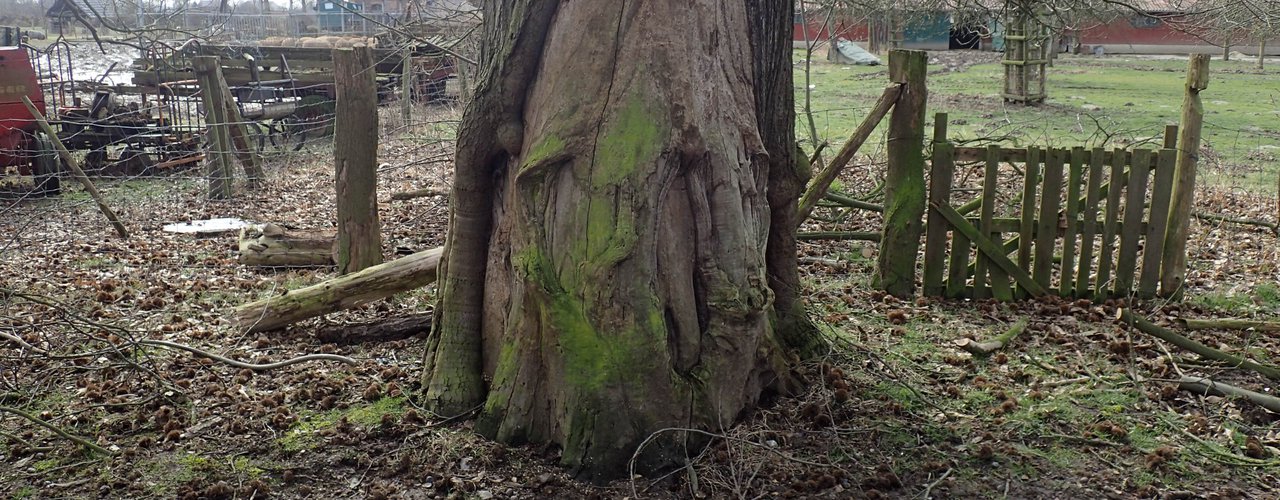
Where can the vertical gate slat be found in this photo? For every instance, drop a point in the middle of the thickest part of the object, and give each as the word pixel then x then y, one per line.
pixel 1027 228
pixel 1047 226
pixel 1090 227
pixel 935 245
pixel 1157 223
pixel 1073 211
pixel 1103 286
pixel 958 267
pixel 999 279
pixel 1135 204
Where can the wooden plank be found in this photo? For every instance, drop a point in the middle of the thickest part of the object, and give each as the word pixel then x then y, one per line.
pixel 1046 226
pixel 1111 217
pixel 1087 233
pixel 1158 223
pixel 992 250
pixel 1135 204
pixel 1074 181
pixel 1025 240
pixel 935 244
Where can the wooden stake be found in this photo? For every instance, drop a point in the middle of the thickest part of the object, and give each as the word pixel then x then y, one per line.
pixel 355 152
pixel 75 169
pixel 1174 269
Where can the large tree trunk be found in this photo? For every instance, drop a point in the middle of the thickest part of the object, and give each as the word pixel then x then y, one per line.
pixel 613 266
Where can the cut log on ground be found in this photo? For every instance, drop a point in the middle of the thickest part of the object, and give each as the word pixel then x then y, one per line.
pixel 344 292
pixel 1200 385
pixel 986 348
pixel 418 193
pixel 378 331
pixel 269 245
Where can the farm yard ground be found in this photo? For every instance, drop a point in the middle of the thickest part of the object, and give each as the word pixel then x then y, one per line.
pixel 1080 405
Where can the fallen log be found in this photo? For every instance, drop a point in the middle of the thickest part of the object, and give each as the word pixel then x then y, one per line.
pixel 986 348
pixel 1199 385
pixel 1275 228
pixel 344 292
pixel 1230 324
pixel 418 193
pixel 386 330
pixel 269 245
pixel 1205 351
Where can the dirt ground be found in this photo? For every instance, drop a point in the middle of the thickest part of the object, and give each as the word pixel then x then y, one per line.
pixel 1080 406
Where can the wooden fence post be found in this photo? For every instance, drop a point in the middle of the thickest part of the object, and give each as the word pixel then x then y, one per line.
pixel 208 72
pixel 1174 268
pixel 406 84
pixel 355 152
pixel 904 181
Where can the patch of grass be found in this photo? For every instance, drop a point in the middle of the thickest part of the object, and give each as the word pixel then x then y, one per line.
pixel 303 433
pixel 1267 295
pixel 45 465
pixel 1106 102
pixel 1228 303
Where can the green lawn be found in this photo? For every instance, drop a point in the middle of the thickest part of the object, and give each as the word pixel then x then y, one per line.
pixel 1112 101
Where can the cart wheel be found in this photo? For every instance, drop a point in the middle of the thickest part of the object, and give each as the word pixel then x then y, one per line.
pixel 47 168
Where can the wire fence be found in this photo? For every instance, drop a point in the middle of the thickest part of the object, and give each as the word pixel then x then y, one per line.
pixel 148 149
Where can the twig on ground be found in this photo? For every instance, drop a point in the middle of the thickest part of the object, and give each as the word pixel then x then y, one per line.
pixel 929 487
pixel 56 430
pixel 250 366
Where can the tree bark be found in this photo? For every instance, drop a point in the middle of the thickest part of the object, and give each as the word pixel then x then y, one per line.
pixel 355 152
pixel 611 217
pixel 770 34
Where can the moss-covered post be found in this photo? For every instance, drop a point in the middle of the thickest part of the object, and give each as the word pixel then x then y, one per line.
pixel 1173 271
pixel 904 182
pixel 355 154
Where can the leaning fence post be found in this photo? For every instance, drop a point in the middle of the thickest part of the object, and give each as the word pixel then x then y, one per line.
pixel 207 70
pixel 1173 271
pixel 75 168
pixel 355 154
pixel 904 182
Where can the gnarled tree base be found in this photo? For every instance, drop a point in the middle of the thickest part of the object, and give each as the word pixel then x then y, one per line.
pixel 625 286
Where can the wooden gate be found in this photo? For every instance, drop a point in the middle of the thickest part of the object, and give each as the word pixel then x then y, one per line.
pixel 1087 223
